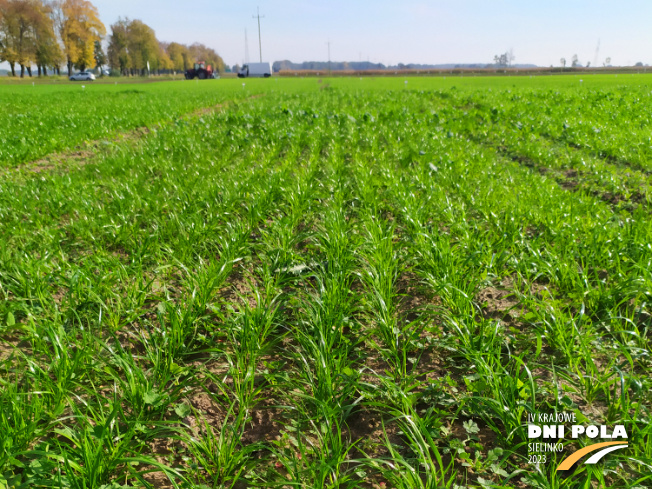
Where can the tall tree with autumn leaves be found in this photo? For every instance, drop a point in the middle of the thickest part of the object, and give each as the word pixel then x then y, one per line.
pixel 27 35
pixel 48 50
pixel 48 33
pixel 133 49
pixel 179 56
pixel 79 28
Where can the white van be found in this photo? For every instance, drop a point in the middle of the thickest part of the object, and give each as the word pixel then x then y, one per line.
pixel 260 70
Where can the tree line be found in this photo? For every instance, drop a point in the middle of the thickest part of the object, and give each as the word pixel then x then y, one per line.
pixel 51 33
pixel 133 44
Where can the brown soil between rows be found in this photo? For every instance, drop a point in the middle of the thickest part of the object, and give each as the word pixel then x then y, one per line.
pixel 568 179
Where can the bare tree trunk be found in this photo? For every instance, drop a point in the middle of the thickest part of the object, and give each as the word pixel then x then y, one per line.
pixel 13 70
pixel 29 71
pixel 69 67
pixel 22 71
pixel 38 67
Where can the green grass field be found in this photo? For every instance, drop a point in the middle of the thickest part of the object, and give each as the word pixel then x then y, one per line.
pixel 323 282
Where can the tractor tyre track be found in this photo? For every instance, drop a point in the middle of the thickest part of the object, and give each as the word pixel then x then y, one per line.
pixel 82 155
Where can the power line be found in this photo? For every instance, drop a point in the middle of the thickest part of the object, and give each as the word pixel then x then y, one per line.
pixel 260 45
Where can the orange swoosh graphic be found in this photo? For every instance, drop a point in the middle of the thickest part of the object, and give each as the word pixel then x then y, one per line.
pixel 568 462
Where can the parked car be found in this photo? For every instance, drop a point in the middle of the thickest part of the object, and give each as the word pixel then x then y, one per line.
pixel 82 76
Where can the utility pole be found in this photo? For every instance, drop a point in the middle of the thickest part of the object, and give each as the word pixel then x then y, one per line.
pixel 329 57
pixel 260 45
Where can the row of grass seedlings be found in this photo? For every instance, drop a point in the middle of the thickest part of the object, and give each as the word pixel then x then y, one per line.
pixel 455 265
pixel 246 330
pixel 228 225
pixel 219 451
pixel 595 329
pixel 384 259
pixel 592 130
pixel 596 287
pixel 145 391
pixel 380 265
pixel 380 271
pixel 523 131
pixel 316 447
pixel 584 339
pixel 435 263
pixel 506 383
pixel 22 411
pixel 153 388
pixel 252 329
pixel 106 444
pixel 280 269
pixel 96 439
pixel 36 394
pixel 183 326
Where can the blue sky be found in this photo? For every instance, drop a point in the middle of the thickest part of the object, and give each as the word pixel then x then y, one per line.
pixel 408 31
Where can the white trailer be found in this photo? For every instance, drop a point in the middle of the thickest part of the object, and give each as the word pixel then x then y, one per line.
pixel 259 70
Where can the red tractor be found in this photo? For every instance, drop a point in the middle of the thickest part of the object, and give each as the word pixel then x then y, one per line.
pixel 201 70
